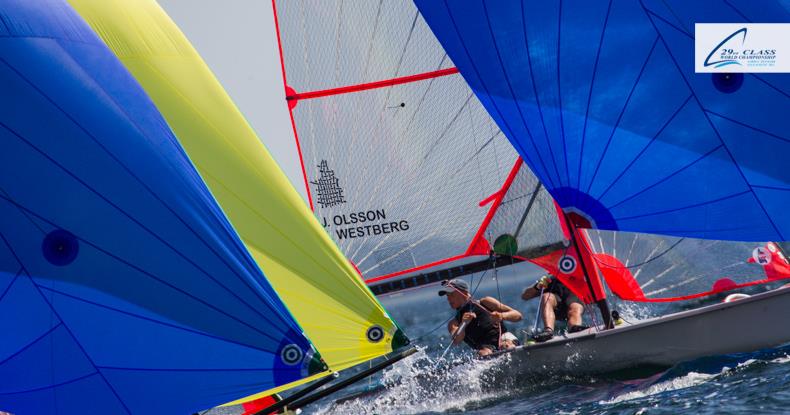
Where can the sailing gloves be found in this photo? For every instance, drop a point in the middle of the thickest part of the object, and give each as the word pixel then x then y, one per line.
pixel 542 283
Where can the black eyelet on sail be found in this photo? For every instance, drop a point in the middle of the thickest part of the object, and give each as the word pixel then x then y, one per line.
pixel 60 247
pixel 291 354
pixel 375 334
pixel 727 82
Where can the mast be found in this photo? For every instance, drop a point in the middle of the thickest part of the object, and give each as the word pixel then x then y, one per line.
pixel 584 258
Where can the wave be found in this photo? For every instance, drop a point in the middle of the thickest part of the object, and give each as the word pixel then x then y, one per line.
pixel 692 378
pixel 416 386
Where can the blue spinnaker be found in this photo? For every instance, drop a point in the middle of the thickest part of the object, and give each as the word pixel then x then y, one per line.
pixel 601 100
pixel 123 288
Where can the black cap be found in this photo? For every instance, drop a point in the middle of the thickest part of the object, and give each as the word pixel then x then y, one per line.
pixel 452 285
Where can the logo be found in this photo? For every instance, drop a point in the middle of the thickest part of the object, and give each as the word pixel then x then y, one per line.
pixel 327 187
pixel 567 264
pixel 761 256
pixel 741 48
pixel 728 56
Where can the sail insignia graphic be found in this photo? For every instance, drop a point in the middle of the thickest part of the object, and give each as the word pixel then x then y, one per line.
pixel 327 187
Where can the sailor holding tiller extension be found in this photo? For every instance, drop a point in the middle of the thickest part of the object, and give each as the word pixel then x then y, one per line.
pixel 480 324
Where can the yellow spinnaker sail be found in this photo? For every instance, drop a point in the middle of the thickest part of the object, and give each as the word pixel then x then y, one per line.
pixel 308 271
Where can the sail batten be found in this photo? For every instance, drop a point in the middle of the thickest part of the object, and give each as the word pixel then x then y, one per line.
pixel 396 149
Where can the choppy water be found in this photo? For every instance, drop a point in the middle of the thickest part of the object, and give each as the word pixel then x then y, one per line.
pixel 756 382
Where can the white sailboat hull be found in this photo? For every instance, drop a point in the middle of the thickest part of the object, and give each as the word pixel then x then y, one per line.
pixel 757 322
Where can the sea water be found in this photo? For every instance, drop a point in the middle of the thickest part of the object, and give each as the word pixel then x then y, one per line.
pixel 756 382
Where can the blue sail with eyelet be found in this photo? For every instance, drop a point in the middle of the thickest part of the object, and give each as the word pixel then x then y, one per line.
pixel 123 288
pixel 601 99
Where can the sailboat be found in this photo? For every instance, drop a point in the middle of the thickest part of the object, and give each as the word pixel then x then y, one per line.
pixel 154 258
pixel 614 161
pixel 495 138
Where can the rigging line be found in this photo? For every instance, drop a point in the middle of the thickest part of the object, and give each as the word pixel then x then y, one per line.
pixel 408 40
pixel 419 166
pixel 372 39
pixel 476 154
pixel 528 209
pixel 420 337
pixel 480 79
pixel 389 90
pixel 644 262
pixel 413 172
pixel 496 280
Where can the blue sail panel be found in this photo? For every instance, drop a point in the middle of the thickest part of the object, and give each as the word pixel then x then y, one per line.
pixel 602 101
pixel 122 284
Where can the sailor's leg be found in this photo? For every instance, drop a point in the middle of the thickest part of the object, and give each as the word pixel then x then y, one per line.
pixel 575 311
pixel 549 302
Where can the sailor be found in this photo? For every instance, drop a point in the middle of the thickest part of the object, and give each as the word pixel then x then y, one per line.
pixel 558 302
pixel 481 322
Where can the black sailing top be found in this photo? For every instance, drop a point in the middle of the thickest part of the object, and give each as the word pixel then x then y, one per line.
pixel 481 331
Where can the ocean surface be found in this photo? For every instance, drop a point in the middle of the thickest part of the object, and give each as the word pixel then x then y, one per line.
pixel 757 382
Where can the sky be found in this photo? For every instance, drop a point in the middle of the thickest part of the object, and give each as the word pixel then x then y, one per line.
pixel 238 41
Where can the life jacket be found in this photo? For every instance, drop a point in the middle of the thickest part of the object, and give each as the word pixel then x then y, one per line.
pixel 481 331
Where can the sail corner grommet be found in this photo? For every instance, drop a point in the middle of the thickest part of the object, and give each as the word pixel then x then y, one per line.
pixel 291 354
pixel 375 334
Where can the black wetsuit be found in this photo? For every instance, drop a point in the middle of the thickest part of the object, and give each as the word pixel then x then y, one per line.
pixel 565 297
pixel 481 332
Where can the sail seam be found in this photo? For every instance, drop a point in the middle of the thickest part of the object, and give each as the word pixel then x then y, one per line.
pixel 160 322
pixel 31 343
pixel 149 190
pixel 673 174
pixel 707 202
pixel 546 174
pixel 142 271
pixel 507 80
pixel 589 100
pixel 559 97
pixel 644 149
pixel 73 337
pixel 616 126
pixel 713 127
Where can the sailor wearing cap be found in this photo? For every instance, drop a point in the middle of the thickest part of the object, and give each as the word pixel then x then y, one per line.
pixel 480 324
